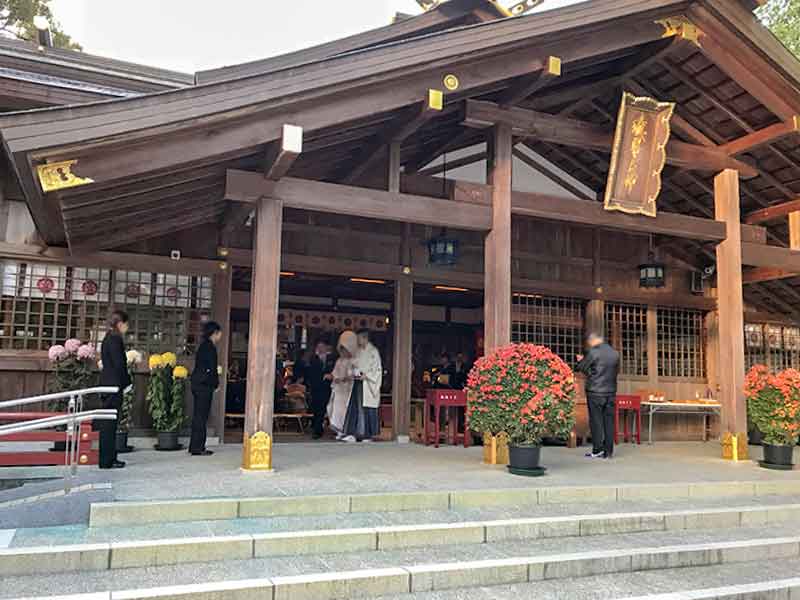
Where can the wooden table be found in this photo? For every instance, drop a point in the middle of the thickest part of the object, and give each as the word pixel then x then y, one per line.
pixel 449 400
pixel 681 407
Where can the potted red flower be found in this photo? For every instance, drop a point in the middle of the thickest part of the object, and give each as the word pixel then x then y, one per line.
pixel 773 402
pixel 527 392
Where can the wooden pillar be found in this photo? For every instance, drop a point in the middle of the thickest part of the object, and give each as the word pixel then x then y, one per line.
pixel 595 317
pixel 497 261
pixel 713 371
pixel 731 309
pixel 222 315
pixel 652 348
pixel 401 371
pixel 261 352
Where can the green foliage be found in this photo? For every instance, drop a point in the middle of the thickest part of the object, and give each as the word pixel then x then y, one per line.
pixel 165 400
pixel 17 19
pixel 124 419
pixel 783 18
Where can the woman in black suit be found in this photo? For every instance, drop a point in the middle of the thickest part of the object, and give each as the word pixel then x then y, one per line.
pixel 114 373
pixel 205 380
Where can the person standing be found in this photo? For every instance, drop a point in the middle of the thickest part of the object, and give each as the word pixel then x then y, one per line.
pixel 461 370
pixel 319 381
pixel 342 382
pixel 361 423
pixel 205 381
pixel 113 374
pixel 601 367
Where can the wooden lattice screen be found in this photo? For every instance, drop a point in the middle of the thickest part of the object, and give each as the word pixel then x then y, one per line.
pixel 626 330
pixel 681 343
pixel 45 304
pixel 772 345
pixel 550 321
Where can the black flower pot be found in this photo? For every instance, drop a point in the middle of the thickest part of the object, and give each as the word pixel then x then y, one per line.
pixel 778 457
pixel 168 441
pixel 524 460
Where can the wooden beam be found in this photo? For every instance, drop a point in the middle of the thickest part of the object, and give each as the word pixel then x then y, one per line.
pixel 527 85
pixel 282 153
pixel 731 305
pixel 572 132
pixel 551 174
pixel 245 186
pixel 450 165
pixel 265 290
pixel 762 274
pixel 762 137
pixel 775 257
pixel 497 257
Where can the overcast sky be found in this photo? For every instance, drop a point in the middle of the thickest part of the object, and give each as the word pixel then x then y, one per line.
pixel 192 35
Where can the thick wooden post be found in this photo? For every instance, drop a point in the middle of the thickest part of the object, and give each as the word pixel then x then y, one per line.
pixel 222 315
pixel 595 317
pixel 261 352
pixel 401 371
pixel 497 261
pixel 652 348
pixel 731 310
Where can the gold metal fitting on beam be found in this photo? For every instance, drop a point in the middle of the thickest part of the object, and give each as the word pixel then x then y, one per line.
pixel 680 27
pixel 257 452
pixel 451 82
pixel 429 4
pixel 554 66
pixel 435 99
pixel 59 176
pixel 796 122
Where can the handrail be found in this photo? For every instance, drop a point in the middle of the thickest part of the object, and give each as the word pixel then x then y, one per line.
pixel 72 419
pixel 59 396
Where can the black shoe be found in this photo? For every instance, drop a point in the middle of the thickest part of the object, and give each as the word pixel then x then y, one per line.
pixel 593 454
pixel 202 453
pixel 316 436
pixel 117 464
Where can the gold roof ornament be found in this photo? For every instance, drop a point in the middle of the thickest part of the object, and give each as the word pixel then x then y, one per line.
pixel 681 27
pixel 506 8
pixel 59 176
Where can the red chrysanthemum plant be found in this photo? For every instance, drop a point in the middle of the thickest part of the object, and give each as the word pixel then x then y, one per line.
pixel 523 390
pixel 773 402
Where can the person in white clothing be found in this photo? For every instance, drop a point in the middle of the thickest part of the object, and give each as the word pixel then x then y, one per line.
pixel 342 382
pixel 361 423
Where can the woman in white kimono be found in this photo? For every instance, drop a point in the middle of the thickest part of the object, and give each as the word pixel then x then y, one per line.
pixel 361 423
pixel 342 382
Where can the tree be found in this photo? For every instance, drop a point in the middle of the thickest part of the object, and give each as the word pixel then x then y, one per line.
pixel 16 18
pixel 783 18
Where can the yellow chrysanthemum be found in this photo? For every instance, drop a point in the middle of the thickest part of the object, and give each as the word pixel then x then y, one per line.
pixel 180 372
pixel 169 359
pixel 155 362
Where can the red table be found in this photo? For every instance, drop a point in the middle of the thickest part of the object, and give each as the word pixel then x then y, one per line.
pixel 450 400
pixel 628 404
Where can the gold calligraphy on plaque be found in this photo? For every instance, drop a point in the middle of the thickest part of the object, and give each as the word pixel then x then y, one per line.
pixel 638 155
pixel 58 176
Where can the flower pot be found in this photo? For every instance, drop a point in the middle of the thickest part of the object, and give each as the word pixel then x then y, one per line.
pixel 168 440
pixel 524 457
pixel 778 456
pixel 495 449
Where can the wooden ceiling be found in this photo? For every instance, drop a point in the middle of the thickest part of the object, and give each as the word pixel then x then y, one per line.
pixel 159 161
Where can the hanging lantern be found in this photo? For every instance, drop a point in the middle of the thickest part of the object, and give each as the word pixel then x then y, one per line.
pixel 652 273
pixel 443 250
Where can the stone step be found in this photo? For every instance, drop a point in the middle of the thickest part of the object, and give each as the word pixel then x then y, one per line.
pixel 136 513
pixel 162 552
pixel 530 568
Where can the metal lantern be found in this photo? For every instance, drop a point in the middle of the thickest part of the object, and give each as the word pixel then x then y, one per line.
pixel 443 250
pixel 651 273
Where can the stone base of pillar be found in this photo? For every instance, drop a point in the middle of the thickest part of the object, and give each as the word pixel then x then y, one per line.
pixel 734 446
pixel 403 439
pixel 257 453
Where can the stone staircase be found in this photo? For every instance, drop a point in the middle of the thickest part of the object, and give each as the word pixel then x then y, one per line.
pixel 678 541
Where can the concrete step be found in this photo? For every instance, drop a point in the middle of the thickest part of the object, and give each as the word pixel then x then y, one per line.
pixel 47 559
pixel 137 513
pixel 428 568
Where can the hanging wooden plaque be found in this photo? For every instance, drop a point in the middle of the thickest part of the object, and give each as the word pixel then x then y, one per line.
pixel 638 155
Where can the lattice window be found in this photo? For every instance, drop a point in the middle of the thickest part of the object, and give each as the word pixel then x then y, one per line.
pixel 45 304
pixel 626 330
pixel 772 345
pixel 553 322
pixel 681 343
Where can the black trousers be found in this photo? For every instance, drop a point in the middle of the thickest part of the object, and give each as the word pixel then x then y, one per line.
pixel 108 431
pixel 601 421
pixel 319 408
pixel 202 406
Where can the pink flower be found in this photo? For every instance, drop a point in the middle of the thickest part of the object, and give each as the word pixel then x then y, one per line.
pixel 57 353
pixel 86 352
pixel 72 345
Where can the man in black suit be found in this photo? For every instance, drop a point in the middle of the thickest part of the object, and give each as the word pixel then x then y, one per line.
pixel 601 367
pixel 318 379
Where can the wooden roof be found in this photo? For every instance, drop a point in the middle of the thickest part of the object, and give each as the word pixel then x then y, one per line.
pixel 159 160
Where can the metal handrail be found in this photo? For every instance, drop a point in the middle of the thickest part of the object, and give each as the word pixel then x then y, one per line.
pixel 74 417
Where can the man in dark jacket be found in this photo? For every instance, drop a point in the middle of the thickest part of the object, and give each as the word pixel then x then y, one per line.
pixel 318 379
pixel 600 366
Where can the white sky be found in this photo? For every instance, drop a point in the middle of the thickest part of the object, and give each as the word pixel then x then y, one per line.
pixel 192 35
